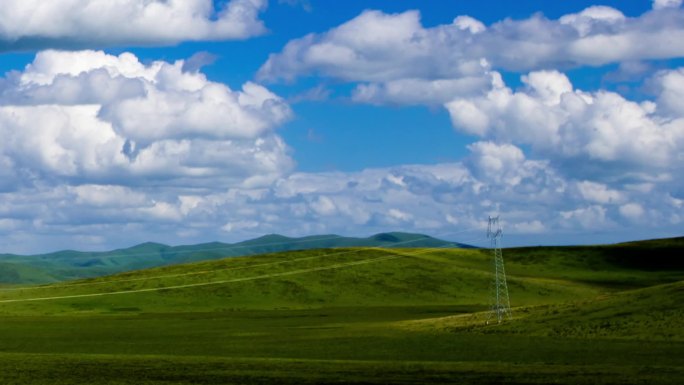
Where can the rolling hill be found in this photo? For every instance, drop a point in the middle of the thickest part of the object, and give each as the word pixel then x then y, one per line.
pixel 68 264
pixel 582 315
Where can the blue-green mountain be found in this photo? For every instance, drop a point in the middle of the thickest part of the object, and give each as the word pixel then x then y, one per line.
pixel 69 264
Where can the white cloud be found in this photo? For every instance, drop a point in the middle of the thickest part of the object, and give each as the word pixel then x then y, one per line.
pixel 92 117
pixel 162 211
pixel 473 26
pixel 669 85
pixel 599 135
pixel 632 211
pixel 399 215
pixel 502 164
pixel 468 117
pixel 593 17
pixel 396 60
pixel 450 200
pixel 50 64
pixel 108 196
pixel 547 86
pixel 212 111
pixel 599 193
pixel 531 227
pixel 588 218
pixel 239 225
pixel 378 47
pixel 103 149
pixel 59 140
pixel 324 206
pixel 664 4
pixel 420 91
pixel 36 24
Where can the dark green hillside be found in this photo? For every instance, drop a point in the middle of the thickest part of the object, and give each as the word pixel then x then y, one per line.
pixel 628 265
pixel 17 273
pixel 648 314
pixel 658 254
pixel 676 242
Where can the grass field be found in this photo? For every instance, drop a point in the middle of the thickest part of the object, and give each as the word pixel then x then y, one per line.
pixel 593 315
pixel 69 264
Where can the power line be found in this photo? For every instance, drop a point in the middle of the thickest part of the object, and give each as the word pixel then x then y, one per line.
pixel 234 280
pixel 52 286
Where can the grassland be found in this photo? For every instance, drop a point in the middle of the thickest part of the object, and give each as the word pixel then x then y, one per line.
pixel 594 315
pixel 69 265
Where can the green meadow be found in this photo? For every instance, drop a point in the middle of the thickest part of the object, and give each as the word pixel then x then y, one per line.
pixel 581 315
pixel 69 264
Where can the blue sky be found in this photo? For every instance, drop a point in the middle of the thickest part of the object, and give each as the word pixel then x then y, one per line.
pixel 204 121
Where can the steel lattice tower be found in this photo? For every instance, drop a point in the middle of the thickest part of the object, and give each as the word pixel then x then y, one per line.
pixel 501 306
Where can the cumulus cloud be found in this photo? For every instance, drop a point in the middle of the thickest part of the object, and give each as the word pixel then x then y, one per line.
pixel 503 164
pixel 599 193
pixel 378 47
pixel 592 133
pixel 632 211
pixel 375 47
pixel 396 60
pixel 88 116
pixel 669 85
pixel 35 24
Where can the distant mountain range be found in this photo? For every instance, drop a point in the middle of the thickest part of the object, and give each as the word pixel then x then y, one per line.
pixel 69 264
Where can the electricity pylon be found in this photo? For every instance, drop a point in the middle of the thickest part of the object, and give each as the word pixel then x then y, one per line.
pixel 501 306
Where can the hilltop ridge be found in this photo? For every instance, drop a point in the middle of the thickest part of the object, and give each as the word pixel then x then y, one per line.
pixel 71 264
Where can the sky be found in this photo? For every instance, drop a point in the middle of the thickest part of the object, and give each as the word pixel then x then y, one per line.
pixel 188 121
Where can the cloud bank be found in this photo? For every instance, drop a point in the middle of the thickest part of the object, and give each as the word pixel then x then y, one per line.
pixel 399 61
pixel 376 46
pixel 448 200
pixel 68 24
pixel 101 151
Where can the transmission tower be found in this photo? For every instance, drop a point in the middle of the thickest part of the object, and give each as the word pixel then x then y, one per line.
pixel 501 306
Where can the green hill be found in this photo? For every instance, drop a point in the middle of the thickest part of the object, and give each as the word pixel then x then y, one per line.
pixel 582 315
pixel 648 314
pixel 331 277
pixel 645 314
pixel 19 273
pixel 69 264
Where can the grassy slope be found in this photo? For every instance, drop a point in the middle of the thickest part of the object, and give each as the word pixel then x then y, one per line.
pixel 648 314
pixel 68 265
pixel 443 277
pixel 380 321
pixel 18 273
